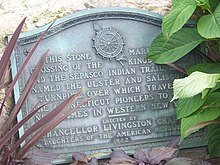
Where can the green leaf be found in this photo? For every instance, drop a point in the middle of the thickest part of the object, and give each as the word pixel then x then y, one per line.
pixel 213 99
pixel 205 92
pixel 207 114
pixel 201 125
pixel 209 25
pixel 214 140
pixel 178 16
pixel 174 2
pixel 216 88
pixel 188 106
pixel 213 4
pixel 181 43
pixel 204 4
pixel 206 68
pixel 194 84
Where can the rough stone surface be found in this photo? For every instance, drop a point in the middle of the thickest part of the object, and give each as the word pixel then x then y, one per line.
pixel 42 12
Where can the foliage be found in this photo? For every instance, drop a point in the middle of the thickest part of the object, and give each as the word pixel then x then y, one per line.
pixel 151 156
pixel 214 143
pixel 81 158
pixel 198 94
pixel 181 43
pixel 156 156
pixel 8 154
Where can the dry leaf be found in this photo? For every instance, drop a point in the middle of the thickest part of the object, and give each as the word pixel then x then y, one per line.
pixel 93 161
pixel 79 157
pixel 120 157
pixel 154 155
pixel 39 157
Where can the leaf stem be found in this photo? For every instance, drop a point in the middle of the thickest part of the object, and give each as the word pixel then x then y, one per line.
pixel 208 58
pixel 214 55
pixel 182 70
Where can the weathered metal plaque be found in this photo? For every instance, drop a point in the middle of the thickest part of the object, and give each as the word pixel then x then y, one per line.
pixel 103 51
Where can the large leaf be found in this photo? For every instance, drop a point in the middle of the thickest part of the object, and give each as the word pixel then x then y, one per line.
pixel 194 84
pixel 206 113
pixel 8 51
pixel 175 20
pixel 206 68
pixel 181 43
pixel 214 140
pixel 4 61
pixel 209 25
pixel 188 106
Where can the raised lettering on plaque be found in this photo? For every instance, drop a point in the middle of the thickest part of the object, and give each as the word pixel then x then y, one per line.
pixel 103 51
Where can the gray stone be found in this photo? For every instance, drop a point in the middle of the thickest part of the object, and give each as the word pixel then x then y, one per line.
pixel 103 51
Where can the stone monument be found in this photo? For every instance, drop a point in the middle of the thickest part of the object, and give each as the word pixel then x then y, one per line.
pixel 103 50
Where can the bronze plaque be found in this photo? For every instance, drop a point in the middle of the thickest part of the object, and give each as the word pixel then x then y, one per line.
pixel 103 51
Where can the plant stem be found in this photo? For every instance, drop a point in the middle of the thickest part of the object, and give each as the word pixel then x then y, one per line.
pixel 208 58
pixel 182 70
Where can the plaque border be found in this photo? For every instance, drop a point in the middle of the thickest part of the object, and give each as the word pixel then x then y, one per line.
pixel 90 15
pixel 72 20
